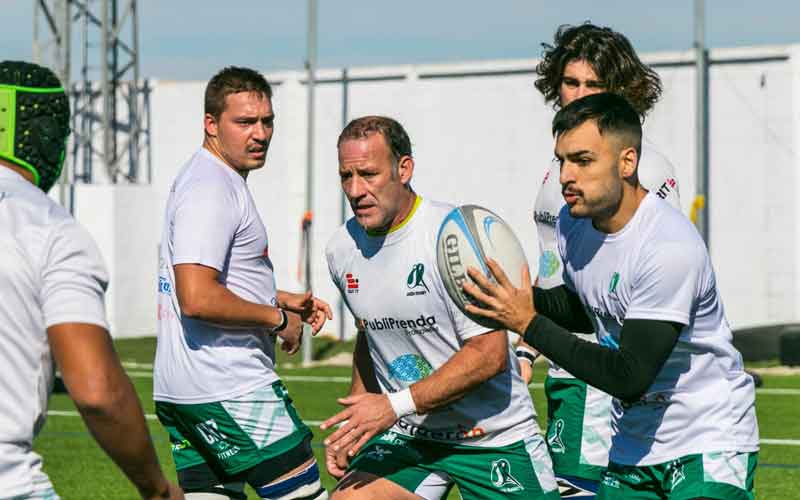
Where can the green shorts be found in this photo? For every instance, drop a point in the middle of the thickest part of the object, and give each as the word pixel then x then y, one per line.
pixel 234 435
pixel 520 470
pixel 719 475
pixel 578 428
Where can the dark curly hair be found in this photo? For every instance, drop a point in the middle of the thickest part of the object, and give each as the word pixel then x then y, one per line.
pixel 611 56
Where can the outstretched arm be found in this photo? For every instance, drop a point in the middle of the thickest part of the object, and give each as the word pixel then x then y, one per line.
pixel 625 373
pixel 108 404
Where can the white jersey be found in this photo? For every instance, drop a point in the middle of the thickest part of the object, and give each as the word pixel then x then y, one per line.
pixel 657 268
pixel 51 272
pixel 656 174
pixel 211 220
pixel 392 283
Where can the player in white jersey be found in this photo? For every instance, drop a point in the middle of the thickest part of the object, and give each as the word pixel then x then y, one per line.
pixel 638 274
pixel 228 415
pixel 53 283
pixel 583 60
pixel 452 406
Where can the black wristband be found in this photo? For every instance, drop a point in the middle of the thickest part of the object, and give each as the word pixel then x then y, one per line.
pixel 284 321
pixel 526 354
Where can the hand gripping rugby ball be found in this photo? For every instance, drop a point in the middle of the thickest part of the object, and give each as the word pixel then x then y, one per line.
pixel 466 237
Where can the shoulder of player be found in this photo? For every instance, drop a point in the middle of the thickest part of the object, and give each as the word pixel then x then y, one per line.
pixel 662 224
pixel 343 239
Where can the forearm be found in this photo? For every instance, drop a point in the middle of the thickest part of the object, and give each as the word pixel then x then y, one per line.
pixel 564 307
pixel 106 400
pixel 480 359
pixel 119 427
pixel 625 373
pixel 218 305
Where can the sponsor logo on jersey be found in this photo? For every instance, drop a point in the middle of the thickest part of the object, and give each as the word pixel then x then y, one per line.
pixel 546 176
pixel 554 439
pixel 419 326
pixel 548 264
pixel 658 400
pixel 416 280
pixel 457 434
pixel 164 285
pixel 502 479
pixel 352 283
pixel 409 368
pixel 667 187
pixel 545 218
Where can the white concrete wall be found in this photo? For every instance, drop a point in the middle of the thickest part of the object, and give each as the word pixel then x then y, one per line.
pixel 480 134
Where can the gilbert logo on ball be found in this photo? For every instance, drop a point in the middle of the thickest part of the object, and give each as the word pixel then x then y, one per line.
pixel 468 235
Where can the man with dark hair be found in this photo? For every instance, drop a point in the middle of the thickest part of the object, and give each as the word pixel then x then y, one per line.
pixel 229 416
pixel 54 281
pixel 583 60
pixel 452 407
pixel 638 274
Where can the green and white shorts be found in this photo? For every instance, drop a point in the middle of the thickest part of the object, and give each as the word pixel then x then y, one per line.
pixel 521 470
pixel 234 435
pixel 719 475
pixel 578 428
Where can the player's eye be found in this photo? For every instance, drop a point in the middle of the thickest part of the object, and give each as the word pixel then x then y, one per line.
pixel 570 82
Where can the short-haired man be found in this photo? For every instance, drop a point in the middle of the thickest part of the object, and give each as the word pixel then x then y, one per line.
pixel 584 60
pixel 229 416
pixel 452 406
pixel 54 282
pixel 638 274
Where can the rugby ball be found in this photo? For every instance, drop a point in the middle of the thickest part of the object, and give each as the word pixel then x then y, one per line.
pixel 467 236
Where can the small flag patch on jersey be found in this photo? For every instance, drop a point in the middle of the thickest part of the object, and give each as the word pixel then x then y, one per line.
pixel 352 283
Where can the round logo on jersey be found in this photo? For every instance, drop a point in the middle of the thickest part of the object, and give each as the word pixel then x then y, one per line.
pixel 548 264
pixel 409 368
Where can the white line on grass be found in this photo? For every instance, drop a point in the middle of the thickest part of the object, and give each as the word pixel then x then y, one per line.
pixel 346 380
pixel 317 423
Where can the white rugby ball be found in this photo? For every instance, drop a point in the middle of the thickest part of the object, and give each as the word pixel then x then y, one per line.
pixel 466 237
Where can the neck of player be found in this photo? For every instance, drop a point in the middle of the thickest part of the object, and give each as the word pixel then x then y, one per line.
pixel 211 145
pixel 632 197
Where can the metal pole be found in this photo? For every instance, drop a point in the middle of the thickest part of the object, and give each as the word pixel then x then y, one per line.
pixel 700 207
pixel 343 198
pixel 106 90
pixel 311 63
pixel 64 191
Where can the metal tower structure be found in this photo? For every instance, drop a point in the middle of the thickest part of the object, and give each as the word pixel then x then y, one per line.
pixel 110 104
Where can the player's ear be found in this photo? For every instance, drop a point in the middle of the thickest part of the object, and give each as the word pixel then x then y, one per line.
pixel 628 161
pixel 210 125
pixel 405 169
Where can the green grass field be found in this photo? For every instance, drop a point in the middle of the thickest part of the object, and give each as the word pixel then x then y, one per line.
pixel 80 470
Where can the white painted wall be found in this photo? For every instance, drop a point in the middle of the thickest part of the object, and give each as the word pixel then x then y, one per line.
pixel 480 134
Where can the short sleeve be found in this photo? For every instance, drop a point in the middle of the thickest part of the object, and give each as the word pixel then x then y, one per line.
pixel 203 225
pixel 74 278
pixel 665 283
